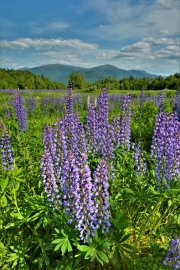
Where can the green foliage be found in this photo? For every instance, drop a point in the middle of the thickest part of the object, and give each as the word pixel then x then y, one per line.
pixel 23 79
pixel 77 80
pixel 33 236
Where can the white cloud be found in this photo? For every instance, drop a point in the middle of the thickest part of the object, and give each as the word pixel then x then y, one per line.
pixel 45 44
pixel 139 49
pixel 169 4
pixel 161 41
pixel 170 53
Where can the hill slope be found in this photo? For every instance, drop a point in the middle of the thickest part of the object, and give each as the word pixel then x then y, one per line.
pixel 61 73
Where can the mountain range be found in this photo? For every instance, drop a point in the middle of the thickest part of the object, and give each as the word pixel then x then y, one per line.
pixel 61 73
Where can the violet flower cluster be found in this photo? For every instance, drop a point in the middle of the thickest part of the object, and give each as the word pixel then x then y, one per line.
pixel 31 104
pixel 173 254
pixel 49 180
pixel 161 99
pixel 140 161
pixel 92 130
pixel 125 122
pixel 20 111
pixel 101 196
pixel 5 149
pixel 66 175
pixel 176 107
pixel 165 149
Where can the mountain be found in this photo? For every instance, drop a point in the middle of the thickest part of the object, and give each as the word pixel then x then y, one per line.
pixel 61 73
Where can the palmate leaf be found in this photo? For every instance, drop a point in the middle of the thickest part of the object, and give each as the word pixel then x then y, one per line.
pixel 63 244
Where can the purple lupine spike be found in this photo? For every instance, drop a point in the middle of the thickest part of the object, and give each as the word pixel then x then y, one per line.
pixel 20 111
pixel 107 146
pixel 140 162
pixel 67 182
pixel 60 145
pixel 176 107
pixel 85 205
pixel 117 130
pixel 49 181
pixel 5 149
pixel 173 254
pixel 92 130
pixel 81 141
pixel 125 122
pixel 8 113
pixel 165 149
pixel 161 99
pixel 31 104
pixel 102 112
pixel 101 196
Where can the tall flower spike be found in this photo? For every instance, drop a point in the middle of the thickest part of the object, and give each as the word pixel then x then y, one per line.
pixel 85 205
pixel 125 122
pixel 161 99
pixel 5 149
pixel 101 196
pixel 20 111
pixel 173 255
pixel 166 149
pixel 49 180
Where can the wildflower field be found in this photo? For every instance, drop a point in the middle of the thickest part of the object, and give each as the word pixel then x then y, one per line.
pixel 89 182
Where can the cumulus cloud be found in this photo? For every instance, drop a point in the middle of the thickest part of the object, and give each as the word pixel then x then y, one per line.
pixel 169 52
pixel 139 49
pixel 161 41
pixel 166 32
pixel 46 44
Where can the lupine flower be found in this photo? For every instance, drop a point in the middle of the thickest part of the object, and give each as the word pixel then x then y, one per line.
pixel 173 255
pixel 31 103
pixel 20 111
pixel 69 178
pixel 140 162
pixel 165 149
pixel 92 130
pixel 161 99
pixel 101 196
pixel 49 180
pixel 117 130
pixel 85 205
pixel 8 112
pixel 125 122
pixel 5 149
pixel 177 104
pixel 107 146
pixel 102 112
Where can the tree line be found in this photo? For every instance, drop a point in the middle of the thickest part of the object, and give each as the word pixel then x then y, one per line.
pixel 131 83
pixel 24 79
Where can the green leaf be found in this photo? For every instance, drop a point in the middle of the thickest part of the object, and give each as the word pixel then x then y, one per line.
pixel 84 248
pixel 57 247
pixel 59 240
pixel 103 256
pixel 64 247
pixel 4 184
pixel 57 230
pixel 4 200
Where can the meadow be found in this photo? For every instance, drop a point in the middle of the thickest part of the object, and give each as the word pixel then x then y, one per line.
pixel 89 180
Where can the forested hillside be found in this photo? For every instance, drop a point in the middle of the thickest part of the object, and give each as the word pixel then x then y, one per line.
pixel 23 79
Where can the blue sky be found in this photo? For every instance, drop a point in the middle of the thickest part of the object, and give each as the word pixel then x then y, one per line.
pixel 130 34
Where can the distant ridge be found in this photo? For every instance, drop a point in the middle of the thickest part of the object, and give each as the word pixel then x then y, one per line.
pixel 61 73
